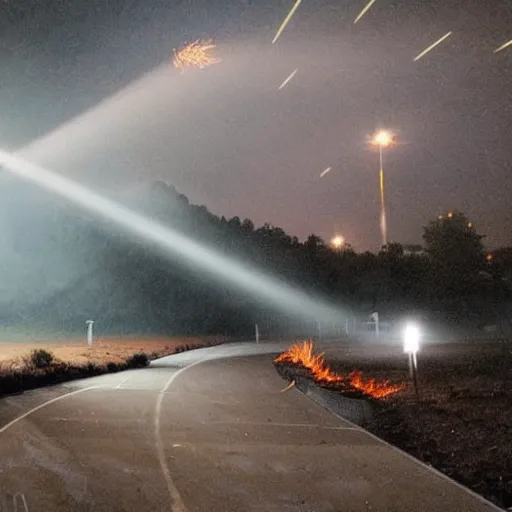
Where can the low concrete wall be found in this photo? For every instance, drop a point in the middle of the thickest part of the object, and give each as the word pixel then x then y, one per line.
pixel 356 410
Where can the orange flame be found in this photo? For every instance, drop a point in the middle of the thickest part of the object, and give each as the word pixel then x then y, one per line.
pixel 196 54
pixel 302 354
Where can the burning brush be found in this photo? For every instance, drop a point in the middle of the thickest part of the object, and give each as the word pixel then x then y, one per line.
pixel 301 354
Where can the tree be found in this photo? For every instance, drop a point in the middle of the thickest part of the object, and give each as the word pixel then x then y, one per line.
pixel 452 242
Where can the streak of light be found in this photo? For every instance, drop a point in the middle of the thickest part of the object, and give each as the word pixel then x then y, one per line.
pixel 364 11
pixel 325 172
pixel 286 20
pixel 174 244
pixel 196 54
pixel 288 79
pixel 432 46
pixel 290 386
pixel 113 118
pixel 503 46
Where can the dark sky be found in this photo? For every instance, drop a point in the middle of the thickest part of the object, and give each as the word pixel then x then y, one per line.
pixel 226 137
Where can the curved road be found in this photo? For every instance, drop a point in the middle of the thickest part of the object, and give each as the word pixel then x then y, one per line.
pixel 206 430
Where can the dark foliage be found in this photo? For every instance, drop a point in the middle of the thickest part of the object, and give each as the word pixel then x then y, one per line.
pixel 138 360
pixel 41 358
pixel 128 286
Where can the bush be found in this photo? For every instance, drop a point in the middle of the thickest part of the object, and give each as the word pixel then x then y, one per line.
pixel 41 358
pixel 114 367
pixel 139 360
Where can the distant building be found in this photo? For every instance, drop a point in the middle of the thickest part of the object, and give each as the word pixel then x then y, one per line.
pixel 414 250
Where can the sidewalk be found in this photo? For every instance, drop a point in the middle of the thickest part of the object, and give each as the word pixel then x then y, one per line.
pixel 239 444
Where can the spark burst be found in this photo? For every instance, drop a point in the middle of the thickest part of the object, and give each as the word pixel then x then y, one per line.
pixel 364 11
pixel 196 54
pixel 503 46
pixel 288 79
pixel 432 46
pixel 286 20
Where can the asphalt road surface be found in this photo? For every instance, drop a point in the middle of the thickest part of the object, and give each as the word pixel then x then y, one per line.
pixel 206 430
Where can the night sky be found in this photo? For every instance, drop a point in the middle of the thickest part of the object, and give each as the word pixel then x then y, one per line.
pixel 227 138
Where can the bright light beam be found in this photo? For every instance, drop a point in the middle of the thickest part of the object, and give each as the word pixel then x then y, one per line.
pixel 325 172
pixel 286 20
pixel 174 243
pixel 503 46
pixel 432 46
pixel 364 11
pixel 110 119
pixel 288 79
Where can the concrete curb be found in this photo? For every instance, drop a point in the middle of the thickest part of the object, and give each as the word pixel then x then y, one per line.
pixel 356 410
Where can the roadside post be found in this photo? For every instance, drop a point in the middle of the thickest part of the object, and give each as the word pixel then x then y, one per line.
pixel 411 348
pixel 89 324
pixel 257 333
pixel 375 318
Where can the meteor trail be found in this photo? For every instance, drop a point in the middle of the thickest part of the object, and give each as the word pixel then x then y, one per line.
pixel 364 11
pixel 288 79
pixel 503 46
pixel 286 20
pixel 325 172
pixel 432 46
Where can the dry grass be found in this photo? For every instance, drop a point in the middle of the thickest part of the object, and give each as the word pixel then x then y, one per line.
pixel 103 351
pixel 73 359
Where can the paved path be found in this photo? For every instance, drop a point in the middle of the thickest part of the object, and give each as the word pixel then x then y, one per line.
pixel 206 430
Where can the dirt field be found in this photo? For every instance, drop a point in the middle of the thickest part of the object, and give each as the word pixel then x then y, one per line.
pixel 103 350
pixel 462 423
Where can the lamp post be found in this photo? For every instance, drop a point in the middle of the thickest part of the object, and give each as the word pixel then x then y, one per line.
pixel 382 139
pixel 411 347
pixel 89 324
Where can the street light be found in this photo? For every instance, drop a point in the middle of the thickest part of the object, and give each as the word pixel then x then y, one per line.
pixel 338 241
pixel 383 139
pixel 411 347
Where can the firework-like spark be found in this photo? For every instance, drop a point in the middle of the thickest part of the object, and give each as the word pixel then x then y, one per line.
pixel 288 79
pixel 286 20
pixel 196 54
pixel 503 46
pixel 364 11
pixel 325 172
pixel 432 46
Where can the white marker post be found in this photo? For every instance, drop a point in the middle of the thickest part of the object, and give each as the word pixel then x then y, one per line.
pixel 411 347
pixel 89 324
pixel 375 318
pixel 257 333
pixel 319 328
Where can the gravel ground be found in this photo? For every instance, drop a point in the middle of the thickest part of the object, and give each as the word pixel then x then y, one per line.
pixel 462 422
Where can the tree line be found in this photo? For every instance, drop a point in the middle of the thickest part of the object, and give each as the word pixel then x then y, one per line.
pixel 128 286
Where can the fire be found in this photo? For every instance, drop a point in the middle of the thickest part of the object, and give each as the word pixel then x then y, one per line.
pixel 302 354
pixel 373 387
pixel 196 54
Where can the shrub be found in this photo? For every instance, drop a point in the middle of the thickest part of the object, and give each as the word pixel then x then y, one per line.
pixel 138 360
pixel 41 358
pixel 114 367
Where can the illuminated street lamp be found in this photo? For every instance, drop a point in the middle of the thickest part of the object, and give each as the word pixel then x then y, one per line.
pixel 411 347
pixel 383 139
pixel 338 242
